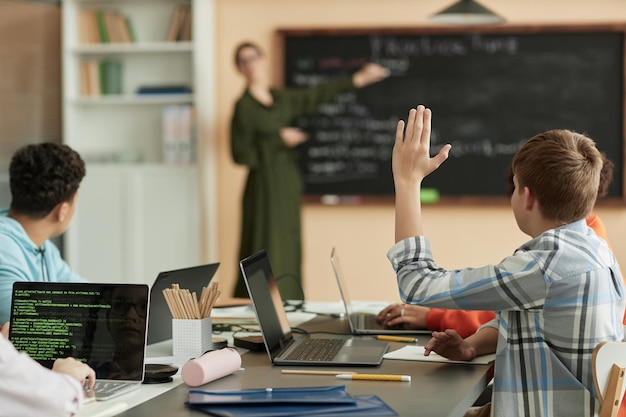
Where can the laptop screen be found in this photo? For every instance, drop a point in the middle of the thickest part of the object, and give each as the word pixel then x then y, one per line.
pixel 103 325
pixel 192 279
pixel 341 283
pixel 268 305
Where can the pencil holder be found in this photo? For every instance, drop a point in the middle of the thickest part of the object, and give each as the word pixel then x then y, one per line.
pixel 191 337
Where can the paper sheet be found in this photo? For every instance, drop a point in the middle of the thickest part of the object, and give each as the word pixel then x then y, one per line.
pixel 416 353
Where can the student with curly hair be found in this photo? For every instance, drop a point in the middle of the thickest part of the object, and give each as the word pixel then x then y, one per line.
pixel 44 179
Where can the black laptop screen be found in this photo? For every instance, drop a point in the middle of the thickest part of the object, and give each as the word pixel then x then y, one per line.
pixel 266 299
pixel 103 325
pixel 192 279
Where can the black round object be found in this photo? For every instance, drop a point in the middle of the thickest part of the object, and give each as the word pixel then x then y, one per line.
pixel 218 343
pixel 157 373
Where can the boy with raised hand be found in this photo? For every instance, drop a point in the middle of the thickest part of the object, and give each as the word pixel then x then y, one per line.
pixel 44 179
pixel 556 297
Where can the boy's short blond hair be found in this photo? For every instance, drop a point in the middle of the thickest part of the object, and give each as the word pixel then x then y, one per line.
pixel 562 170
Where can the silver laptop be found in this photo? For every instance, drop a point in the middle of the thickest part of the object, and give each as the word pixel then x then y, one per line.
pixel 193 279
pixel 362 323
pixel 282 347
pixel 103 325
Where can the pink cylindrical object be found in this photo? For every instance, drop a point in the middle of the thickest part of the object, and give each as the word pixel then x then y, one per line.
pixel 211 366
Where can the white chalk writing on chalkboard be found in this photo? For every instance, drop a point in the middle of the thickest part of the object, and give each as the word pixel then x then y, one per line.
pixel 489 90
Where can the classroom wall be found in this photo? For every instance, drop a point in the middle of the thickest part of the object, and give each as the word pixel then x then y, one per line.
pixel 460 235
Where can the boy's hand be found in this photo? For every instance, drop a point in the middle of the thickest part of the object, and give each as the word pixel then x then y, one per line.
pixel 451 345
pixel 411 152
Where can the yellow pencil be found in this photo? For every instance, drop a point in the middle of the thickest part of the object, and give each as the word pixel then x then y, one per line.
pixel 375 377
pixel 396 338
pixel 298 372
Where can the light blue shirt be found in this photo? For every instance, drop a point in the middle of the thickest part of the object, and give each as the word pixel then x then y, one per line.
pixel 22 260
pixel 556 298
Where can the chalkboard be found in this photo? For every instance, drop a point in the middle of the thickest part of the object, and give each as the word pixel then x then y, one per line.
pixel 490 89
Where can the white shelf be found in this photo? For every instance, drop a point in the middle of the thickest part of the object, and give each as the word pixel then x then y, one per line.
pixel 134 100
pixel 133 48
pixel 143 213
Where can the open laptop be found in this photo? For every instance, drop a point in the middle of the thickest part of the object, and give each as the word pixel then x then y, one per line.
pixel 282 347
pixel 362 323
pixel 193 279
pixel 103 325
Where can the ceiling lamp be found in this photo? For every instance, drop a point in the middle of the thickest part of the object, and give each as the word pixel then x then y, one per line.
pixel 466 12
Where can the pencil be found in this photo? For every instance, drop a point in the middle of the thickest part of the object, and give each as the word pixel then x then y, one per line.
pixel 396 338
pixel 375 377
pixel 297 372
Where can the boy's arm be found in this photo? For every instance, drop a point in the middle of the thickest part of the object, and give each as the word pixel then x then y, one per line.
pixel 411 163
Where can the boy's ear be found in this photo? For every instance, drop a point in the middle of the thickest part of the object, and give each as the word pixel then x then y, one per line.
pixel 62 211
pixel 529 199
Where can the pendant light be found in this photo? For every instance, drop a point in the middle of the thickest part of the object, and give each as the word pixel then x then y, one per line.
pixel 466 12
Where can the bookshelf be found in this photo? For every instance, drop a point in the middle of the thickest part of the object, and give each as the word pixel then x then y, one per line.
pixel 139 208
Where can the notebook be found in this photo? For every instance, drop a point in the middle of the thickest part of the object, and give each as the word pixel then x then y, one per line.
pixel 193 279
pixel 362 323
pixel 281 346
pixel 103 325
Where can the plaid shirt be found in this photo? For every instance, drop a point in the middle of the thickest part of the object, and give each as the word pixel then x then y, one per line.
pixel 556 298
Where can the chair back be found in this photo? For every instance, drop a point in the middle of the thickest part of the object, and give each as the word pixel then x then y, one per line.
pixel 609 364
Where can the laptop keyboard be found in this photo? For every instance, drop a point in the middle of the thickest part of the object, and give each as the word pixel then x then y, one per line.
pixel 316 350
pixel 108 389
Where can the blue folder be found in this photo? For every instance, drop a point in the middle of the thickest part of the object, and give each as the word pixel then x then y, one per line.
pixel 285 402
pixel 327 395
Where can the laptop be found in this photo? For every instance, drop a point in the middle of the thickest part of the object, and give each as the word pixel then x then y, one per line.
pixel 281 346
pixel 193 279
pixel 103 325
pixel 362 323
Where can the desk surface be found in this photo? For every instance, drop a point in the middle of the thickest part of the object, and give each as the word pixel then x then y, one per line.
pixel 436 389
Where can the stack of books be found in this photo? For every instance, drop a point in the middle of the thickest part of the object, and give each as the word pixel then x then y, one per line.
pixel 180 24
pixel 104 26
pixel 100 77
pixel 179 134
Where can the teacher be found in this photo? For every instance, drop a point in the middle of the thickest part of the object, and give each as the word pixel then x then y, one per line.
pixel 263 140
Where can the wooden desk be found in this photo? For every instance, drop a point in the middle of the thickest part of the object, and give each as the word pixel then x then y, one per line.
pixel 435 390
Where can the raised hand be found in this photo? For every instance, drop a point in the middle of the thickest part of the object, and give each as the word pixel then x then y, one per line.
pixel 411 151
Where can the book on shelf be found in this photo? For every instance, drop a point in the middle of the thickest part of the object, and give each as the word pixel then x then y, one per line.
pixel 180 24
pixel 104 26
pixel 179 134
pixel 163 89
pixel 100 77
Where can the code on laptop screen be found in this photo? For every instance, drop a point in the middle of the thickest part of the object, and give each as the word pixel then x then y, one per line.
pixel 103 325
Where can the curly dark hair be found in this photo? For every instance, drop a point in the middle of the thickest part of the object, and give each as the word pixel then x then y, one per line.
pixel 43 175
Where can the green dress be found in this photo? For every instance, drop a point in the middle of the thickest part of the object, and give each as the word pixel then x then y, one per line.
pixel 271 199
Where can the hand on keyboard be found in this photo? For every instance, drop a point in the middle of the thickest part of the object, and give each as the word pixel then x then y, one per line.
pixel 77 370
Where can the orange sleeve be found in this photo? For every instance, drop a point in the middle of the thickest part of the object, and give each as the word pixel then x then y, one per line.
pixel 465 322
pixel 596 224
